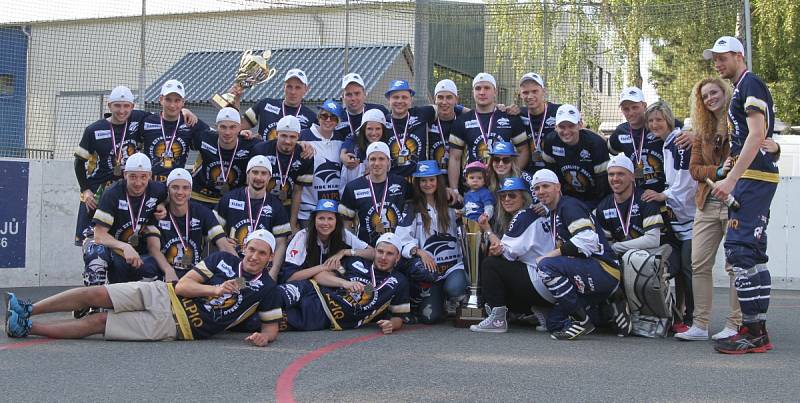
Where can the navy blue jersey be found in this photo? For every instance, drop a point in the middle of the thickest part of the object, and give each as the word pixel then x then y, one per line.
pixel 412 131
pixel 232 213
pixel 293 169
pixel 571 217
pixel 208 316
pixel 210 175
pixel 649 152
pixel 537 127
pixel 348 126
pixel 358 203
pixel 97 146
pixel 644 216
pixel 114 212
pixel 202 225
pixel 267 112
pixel 580 167
pixel 751 95
pixel 348 310
pixel 439 137
pixel 155 140
pixel 466 133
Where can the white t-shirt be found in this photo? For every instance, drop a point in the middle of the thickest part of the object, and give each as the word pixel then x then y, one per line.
pixel 327 171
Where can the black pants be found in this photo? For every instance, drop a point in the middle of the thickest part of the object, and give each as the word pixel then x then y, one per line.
pixel 508 284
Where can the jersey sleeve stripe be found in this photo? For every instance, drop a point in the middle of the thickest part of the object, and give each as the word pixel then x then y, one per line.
pixel 284 229
pixel 346 211
pixel 755 104
pixel 455 141
pixel 203 270
pixel 652 221
pixel 579 225
pixel 521 138
pixel 216 232
pixel 81 152
pixel 399 309
pixel 219 218
pixel 273 315
pixel 600 168
pixel 250 116
pixel 103 217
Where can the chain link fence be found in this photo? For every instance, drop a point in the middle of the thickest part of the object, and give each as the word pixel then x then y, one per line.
pixel 59 60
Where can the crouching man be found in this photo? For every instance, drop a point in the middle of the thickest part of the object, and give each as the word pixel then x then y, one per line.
pixel 217 294
pixel 363 293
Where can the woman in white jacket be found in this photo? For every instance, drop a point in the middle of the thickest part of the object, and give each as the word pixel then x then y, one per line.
pixel 428 232
pixel 679 198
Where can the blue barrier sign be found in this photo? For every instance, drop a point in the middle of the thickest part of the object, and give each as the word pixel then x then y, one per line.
pixel 13 213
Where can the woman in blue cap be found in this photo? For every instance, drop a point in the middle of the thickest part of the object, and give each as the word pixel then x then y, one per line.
pixel 427 232
pixel 512 196
pixel 502 164
pixel 321 245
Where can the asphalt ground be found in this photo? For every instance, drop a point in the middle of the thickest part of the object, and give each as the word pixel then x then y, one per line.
pixel 423 363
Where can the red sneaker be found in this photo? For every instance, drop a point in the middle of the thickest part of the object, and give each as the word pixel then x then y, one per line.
pixel 679 327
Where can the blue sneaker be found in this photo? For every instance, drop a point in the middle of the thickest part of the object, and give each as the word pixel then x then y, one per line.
pixel 16 325
pixel 14 304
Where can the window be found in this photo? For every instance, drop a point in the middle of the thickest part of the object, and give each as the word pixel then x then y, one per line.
pixel 6 85
pixel 600 80
pixel 591 73
pixel 608 84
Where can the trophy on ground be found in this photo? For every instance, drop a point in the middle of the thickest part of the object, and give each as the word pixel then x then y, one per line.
pixel 471 241
pixel 253 70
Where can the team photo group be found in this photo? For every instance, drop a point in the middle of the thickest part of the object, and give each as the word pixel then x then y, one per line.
pixel 353 214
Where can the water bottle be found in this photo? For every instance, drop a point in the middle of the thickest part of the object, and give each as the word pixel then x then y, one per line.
pixel 729 201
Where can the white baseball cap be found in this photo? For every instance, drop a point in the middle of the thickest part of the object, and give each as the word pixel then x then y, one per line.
pixel 484 77
pixel 228 114
pixel 262 235
pixel 300 74
pixel 179 173
pixel 622 161
pixel 121 94
pixel 288 123
pixel 259 161
pixel 138 162
pixel 392 239
pixel 544 176
pixel 352 78
pixel 632 94
pixel 173 86
pixel 446 85
pixel 532 77
pixel 380 147
pixel 722 45
pixel 373 115
pixel 568 113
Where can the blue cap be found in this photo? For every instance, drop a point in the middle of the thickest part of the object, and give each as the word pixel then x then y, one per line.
pixel 331 206
pixel 513 183
pixel 427 168
pixel 399 85
pixel 503 148
pixel 332 107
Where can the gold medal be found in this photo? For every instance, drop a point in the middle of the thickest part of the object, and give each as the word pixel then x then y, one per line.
pixel 167 163
pixel 117 170
pixel 133 240
pixel 638 172
pixel 379 228
pixel 537 156
pixel 241 282
pixel 283 195
pixel 186 261
pixel 401 160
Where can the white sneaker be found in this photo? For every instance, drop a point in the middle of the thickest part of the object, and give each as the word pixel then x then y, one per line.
pixel 694 333
pixel 724 334
pixel 494 323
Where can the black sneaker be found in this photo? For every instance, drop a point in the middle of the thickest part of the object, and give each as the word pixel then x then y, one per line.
pixel 85 311
pixel 750 339
pixel 622 317
pixel 574 330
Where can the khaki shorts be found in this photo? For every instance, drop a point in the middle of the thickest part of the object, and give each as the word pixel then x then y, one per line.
pixel 142 311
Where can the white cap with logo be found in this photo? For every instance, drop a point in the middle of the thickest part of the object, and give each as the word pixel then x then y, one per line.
pixel 121 94
pixel 228 114
pixel 138 162
pixel 379 147
pixel 173 87
pixel 288 123
pixel 391 239
pixel 632 94
pixel 723 45
pixel 568 113
pixel 353 78
pixel 484 77
pixel 446 85
pixel 532 77
pixel 262 235
pixel 179 173
pixel 259 161
pixel 622 161
pixel 297 73
pixel 373 115
pixel 544 176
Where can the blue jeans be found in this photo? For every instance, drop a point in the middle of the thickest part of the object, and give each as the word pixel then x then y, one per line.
pixel 431 307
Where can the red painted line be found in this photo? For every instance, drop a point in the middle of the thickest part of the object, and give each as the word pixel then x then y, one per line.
pixel 14 346
pixel 284 386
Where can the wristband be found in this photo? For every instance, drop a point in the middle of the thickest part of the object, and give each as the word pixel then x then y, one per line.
pixel 352 252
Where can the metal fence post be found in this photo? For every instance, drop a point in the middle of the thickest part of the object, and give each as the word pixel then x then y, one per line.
pixel 141 53
pixel 747 35
pixel 421 59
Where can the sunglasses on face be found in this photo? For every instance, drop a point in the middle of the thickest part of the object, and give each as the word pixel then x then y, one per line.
pixel 327 116
pixel 508 195
pixel 505 160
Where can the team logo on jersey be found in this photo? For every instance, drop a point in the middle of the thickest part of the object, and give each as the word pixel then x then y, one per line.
pixel 328 171
pixel 225 302
pixel 550 122
pixel 471 124
pixel 175 254
pixel 625 139
pixel 390 221
pixel 503 123
pixel 292 292
pixel 161 147
pixel 576 181
pixel 216 179
pixel 395 189
pixel 559 151
pixel 411 146
pixel 358 265
pixel 585 155
pixel 481 150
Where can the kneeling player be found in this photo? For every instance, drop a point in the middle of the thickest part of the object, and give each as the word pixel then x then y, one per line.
pixel 582 270
pixel 363 293
pixel 219 293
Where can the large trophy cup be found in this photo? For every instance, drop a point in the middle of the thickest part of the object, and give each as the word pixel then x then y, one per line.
pixel 253 70
pixel 471 242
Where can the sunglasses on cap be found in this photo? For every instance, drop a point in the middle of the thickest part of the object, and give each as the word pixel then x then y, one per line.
pixel 327 116
pixel 510 195
pixel 505 160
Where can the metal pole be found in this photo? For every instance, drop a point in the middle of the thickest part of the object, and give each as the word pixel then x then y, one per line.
pixel 346 37
pixel 141 53
pixel 747 35
pixel 421 54
pixel 545 37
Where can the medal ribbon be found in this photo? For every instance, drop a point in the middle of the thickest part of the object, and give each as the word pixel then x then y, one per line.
pixel 639 151
pixel 168 147
pixel 375 285
pixel 135 223
pixel 350 122
pixel 254 278
pixel 401 142
pixel 537 137
pixel 117 149
pixel 283 178
pixel 375 201
pixel 441 135
pixel 739 81
pixel 626 225
pixel 180 237
pixel 485 134
pixel 250 210
pixel 283 109
pixel 222 162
